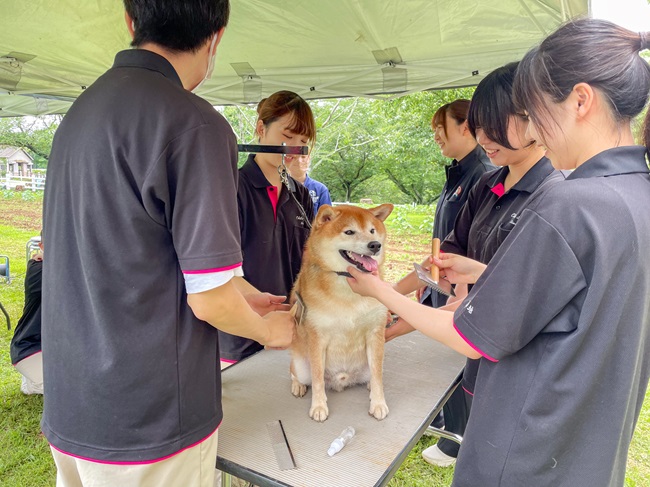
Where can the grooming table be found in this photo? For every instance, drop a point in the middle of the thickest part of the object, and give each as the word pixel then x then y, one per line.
pixel 419 376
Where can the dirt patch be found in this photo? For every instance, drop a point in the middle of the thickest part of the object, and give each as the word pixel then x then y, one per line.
pixel 402 249
pixel 21 214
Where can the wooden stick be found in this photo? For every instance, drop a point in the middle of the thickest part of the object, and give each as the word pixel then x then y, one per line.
pixel 435 252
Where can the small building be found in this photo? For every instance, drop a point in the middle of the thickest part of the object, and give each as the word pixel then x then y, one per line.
pixel 15 162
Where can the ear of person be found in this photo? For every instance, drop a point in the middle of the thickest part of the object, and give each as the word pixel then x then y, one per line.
pixel 584 97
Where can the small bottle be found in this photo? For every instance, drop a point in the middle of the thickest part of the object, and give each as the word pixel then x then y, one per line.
pixel 338 444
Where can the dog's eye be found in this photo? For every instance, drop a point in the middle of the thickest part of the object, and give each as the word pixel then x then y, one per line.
pixel 372 230
pixel 349 232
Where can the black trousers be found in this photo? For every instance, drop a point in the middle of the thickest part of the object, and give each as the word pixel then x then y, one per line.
pixel 456 413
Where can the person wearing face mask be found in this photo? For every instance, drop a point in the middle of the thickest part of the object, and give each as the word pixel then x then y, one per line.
pixel 141 221
pixel 274 217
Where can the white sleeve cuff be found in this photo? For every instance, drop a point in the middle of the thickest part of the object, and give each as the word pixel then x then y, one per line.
pixel 197 283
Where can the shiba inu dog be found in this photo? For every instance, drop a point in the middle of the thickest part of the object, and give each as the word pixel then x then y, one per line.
pixel 340 334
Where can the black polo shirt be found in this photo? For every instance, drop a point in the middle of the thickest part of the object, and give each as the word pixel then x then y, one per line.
pixel 488 218
pixel 273 236
pixel 461 176
pixel 141 186
pixel 27 336
pixel 561 317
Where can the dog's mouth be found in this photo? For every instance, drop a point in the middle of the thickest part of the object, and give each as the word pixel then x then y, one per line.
pixel 362 262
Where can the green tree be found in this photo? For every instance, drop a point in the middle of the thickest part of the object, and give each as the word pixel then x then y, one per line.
pixel 345 153
pixel 408 156
pixel 32 133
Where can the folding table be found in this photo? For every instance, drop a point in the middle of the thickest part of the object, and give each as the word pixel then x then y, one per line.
pixel 419 376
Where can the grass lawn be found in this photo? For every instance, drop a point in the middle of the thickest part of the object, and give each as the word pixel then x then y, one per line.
pixel 24 455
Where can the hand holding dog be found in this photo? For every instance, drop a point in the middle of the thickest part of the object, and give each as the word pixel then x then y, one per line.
pixel 401 327
pixel 264 303
pixel 281 327
pixel 366 283
pixel 459 269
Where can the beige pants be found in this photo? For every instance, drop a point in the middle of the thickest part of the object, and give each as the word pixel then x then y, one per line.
pixel 194 467
pixel 31 368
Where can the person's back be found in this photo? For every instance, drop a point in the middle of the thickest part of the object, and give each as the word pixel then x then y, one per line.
pixel 115 230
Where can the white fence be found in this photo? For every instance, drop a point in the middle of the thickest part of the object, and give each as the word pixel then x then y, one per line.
pixel 35 182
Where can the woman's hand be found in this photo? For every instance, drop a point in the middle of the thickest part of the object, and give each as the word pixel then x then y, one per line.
pixel 366 283
pixel 458 269
pixel 399 328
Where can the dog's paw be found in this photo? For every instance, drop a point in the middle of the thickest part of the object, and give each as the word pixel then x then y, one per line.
pixel 298 389
pixel 319 413
pixel 378 409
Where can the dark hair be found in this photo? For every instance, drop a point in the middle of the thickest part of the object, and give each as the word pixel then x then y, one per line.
pixel 492 105
pixel 177 25
pixel 592 51
pixel 282 102
pixel 457 110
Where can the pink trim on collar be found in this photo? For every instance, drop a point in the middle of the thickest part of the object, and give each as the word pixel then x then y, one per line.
pixel 272 192
pixel 499 190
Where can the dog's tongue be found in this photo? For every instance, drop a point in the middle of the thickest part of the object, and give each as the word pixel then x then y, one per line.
pixel 368 263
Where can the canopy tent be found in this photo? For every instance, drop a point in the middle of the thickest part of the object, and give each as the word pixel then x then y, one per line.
pixel 50 50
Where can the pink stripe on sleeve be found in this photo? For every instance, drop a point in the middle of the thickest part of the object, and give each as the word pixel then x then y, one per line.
pixel 218 269
pixel 491 359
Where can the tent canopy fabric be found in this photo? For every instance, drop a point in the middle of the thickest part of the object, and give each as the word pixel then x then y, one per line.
pixel 50 50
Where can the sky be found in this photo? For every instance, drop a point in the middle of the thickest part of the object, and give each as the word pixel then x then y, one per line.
pixel 631 14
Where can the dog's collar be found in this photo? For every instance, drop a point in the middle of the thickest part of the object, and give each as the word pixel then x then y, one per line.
pixel 344 274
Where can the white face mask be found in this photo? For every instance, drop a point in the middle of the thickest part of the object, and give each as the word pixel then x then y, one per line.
pixel 208 72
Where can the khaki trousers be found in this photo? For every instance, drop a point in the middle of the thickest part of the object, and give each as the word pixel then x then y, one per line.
pixel 193 467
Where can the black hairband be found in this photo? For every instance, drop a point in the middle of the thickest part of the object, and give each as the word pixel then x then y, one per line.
pixel 644 44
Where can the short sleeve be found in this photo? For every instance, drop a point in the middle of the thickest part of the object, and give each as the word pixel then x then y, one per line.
pixel 197 184
pixel 457 241
pixel 529 287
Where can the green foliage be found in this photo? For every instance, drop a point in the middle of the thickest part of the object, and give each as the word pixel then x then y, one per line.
pixel 408 155
pixel 32 133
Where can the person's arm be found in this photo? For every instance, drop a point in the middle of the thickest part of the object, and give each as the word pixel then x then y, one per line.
pixel 458 269
pixel 435 323
pixel 262 303
pixel 226 309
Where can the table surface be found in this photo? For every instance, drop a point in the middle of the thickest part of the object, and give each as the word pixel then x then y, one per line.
pixel 417 373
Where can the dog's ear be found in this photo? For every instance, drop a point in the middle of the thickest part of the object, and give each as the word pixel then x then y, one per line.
pixel 326 213
pixel 381 212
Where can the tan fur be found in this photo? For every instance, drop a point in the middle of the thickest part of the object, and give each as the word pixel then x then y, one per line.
pixel 340 341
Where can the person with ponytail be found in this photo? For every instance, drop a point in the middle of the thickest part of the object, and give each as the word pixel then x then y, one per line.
pixel 559 317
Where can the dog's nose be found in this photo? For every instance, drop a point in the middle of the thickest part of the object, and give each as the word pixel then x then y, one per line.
pixel 374 246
